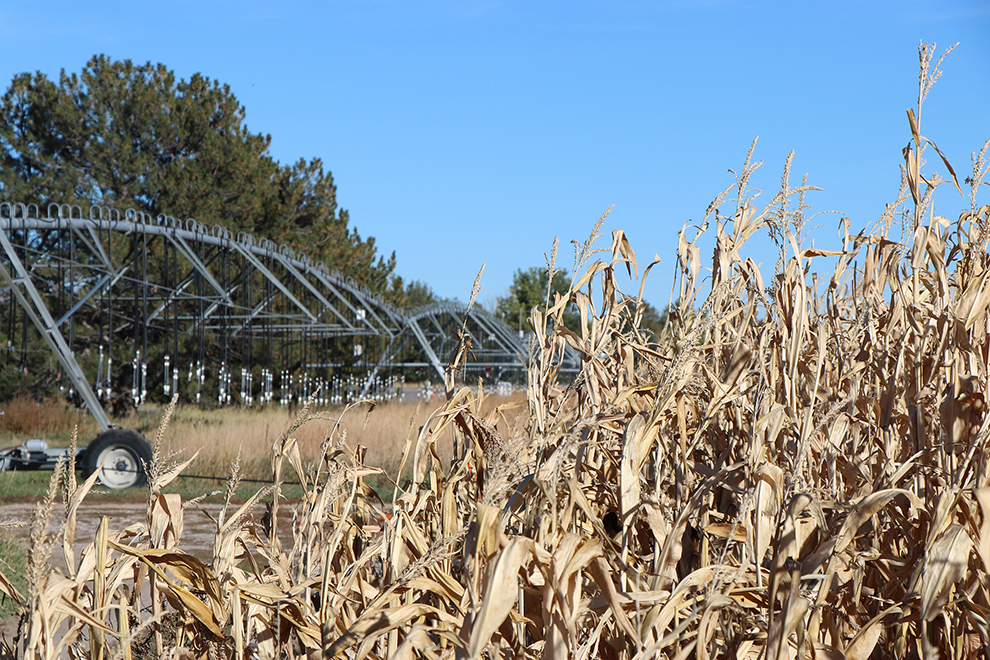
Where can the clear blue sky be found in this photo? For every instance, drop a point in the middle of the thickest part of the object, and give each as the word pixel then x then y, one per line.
pixel 468 132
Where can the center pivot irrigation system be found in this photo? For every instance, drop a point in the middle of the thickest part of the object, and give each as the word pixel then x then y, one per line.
pixel 134 307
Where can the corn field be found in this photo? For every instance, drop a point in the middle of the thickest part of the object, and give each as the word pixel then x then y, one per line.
pixel 797 468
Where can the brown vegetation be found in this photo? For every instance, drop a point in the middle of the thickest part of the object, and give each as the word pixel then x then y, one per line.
pixel 792 470
pixel 216 436
pixel 25 417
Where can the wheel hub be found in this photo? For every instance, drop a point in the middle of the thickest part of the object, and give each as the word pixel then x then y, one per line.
pixel 120 469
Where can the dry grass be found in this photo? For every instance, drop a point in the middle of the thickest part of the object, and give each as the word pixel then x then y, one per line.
pixel 217 436
pixel 25 417
pixel 793 470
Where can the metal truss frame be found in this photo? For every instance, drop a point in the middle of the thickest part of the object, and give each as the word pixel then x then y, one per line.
pixel 195 289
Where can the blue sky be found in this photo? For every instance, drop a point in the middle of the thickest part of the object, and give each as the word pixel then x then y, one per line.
pixel 462 133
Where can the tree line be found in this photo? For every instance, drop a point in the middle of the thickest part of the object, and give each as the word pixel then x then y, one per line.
pixel 531 287
pixel 130 135
pixel 126 135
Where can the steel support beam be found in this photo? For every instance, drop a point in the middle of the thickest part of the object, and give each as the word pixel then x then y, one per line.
pixel 41 318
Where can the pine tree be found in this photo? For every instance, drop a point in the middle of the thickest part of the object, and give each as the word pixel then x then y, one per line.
pixel 133 136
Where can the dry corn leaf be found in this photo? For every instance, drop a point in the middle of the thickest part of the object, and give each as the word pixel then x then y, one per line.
pixel 601 573
pixel 72 608
pixel 296 613
pixel 791 616
pixel 166 520
pixel 190 570
pixel 788 543
pixel 945 564
pixel 636 444
pixel 588 274
pixel 865 509
pixel 182 598
pixel 10 590
pixel 168 477
pixel 622 251
pixel 291 450
pixel 862 645
pixel 415 644
pixel 734 530
pixel 681 592
pixel 500 594
pixel 769 490
pixel 72 508
pixel 709 620
pixel 983 543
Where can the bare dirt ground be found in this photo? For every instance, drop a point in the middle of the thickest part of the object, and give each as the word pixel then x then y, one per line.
pixel 197 535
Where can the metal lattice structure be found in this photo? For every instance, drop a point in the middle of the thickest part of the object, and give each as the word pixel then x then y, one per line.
pixel 198 308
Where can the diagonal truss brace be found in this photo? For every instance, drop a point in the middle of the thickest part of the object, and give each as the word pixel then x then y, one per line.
pixel 43 321
pixel 425 343
pixel 275 281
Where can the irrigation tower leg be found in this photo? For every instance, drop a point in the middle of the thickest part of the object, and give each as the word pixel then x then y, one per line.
pixel 42 320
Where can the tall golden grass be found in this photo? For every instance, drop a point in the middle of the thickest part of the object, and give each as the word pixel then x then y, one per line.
pixel 218 436
pixel 797 468
pixel 25 417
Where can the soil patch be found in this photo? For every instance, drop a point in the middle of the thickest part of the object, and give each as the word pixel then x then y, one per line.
pixel 197 535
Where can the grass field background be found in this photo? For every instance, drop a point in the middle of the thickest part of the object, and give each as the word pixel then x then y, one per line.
pixel 216 436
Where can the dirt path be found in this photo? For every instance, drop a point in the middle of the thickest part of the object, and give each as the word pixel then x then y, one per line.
pixel 197 534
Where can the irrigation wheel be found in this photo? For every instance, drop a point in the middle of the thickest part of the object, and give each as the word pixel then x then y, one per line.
pixel 118 454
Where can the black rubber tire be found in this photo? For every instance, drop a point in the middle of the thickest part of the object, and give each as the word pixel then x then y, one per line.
pixel 121 452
